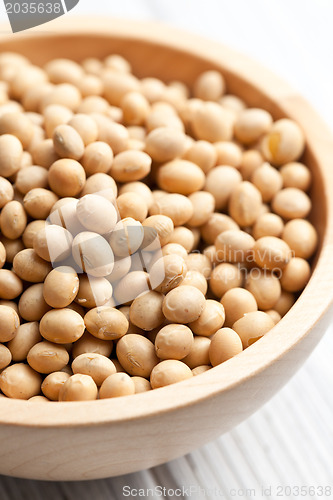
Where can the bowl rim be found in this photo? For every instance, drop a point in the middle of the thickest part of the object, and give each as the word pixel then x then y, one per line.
pixel 307 310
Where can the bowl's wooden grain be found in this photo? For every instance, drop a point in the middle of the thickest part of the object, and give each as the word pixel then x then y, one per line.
pixel 87 440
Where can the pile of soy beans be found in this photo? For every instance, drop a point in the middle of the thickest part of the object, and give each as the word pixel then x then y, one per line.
pixel 149 231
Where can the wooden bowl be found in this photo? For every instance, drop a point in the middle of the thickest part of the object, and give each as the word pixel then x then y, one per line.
pixel 86 440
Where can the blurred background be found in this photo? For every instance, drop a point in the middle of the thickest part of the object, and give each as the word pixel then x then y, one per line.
pixel 289 442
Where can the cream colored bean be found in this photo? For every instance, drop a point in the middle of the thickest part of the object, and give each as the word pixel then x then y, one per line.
pixel 20 381
pixel 46 357
pixel 274 315
pixel 68 142
pixel 225 344
pixel 169 372
pixel 61 326
pixel 5 356
pixel 2 255
pixel 6 192
pixel 268 225
pixel 210 320
pixel 53 243
pixel 126 237
pixel 112 133
pixel 30 267
pixel 284 142
pixel 18 125
pixel 61 286
pixel 66 177
pixel 221 182
pixel 284 303
pixel 234 246
pixel 146 310
pixel 102 184
pixel 55 115
pixel 44 154
pixel 26 336
pixel 96 213
pixel 196 279
pixel 116 385
pixel 174 249
pixel 32 305
pixel 200 369
pixel 138 188
pixel 78 388
pixel 199 262
pixel 13 220
pixel 93 292
pixel 164 144
pixel 173 342
pixel 301 237
pixel 63 71
pixel 183 304
pixel 131 286
pixel 99 367
pixel 12 247
pixel 291 203
pixel 236 303
pixel 11 285
pixel 88 343
pixel 211 122
pixel 106 323
pixel 295 275
pixel 157 228
pixel 268 180
pixel 9 323
pixel 38 202
pixel 167 273
pixel 11 151
pixel 203 154
pixel 225 277
pixel 141 384
pixel 135 108
pixel 251 124
pixel 180 176
pixel 176 206
pixel 252 327
pixel 93 254
pixel 271 253
pixel 264 286
pixel 199 354
pixel 97 158
pixel 31 177
pixel 251 160
pixel 52 384
pixel 121 267
pixel 130 166
pixel 85 126
pixel 64 94
pixel 245 204
pixel 137 355
pixel 216 224
pixel 228 153
pixel 296 175
pixel 209 86
pixel 132 205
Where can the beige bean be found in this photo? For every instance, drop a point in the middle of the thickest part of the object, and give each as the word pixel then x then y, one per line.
pixel 5 356
pixel 200 369
pixel 61 326
pixel 97 158
pixel 146 310
pixel 85 126
pixel 225 344
pixel 138 188
pixel 137 355
pixel 102 184
pixel 67 177
pixel 26 336
pixel 6 192
pixel 196 279
pixel 203 154
pixel 141 384
pixel 169 372
pixel 295 275
pixel 130 166
pixel 131 286
pixel 55 115
pixel 126 237
pixel 284 303
pixel 216 224
pixel 268 180
pixel 234 246
pixel 121 267
pixel 184 237
pixel 209 86
pixel 31 177
pixel 52 384
pixel 211 122
pixel 46 357
pixel 30 267
pixel 264 286
pixel 132 205
pixel 53 243
pixel 291 203
pixel 18 125
pixel 11 285
pixel 32 305
pixel 93 292
pixel 183 304
pixel 284 142
pixel 13 220
pixel 61 286
pixel 228 153
pixel 2 255
pixel 271 253
pixel 180 176
pixel 176 206
pixel 106 323
pixel 224 277
pixel 38 202
pixel 44 154
pixel 99 367
pixel 167 273
pixel 9 322
pixel 20 381
pixel 11 151
pixel 93 254
pixel 251 160
pixel 164 144
pixel 199 354
pixel 89 343
pixel 96 213
pixel 276 317
pixel 268 225
pixel 221 182
pixel 112 133
pixel 199 262
pixel 174 248
pixel 301 237
pixel 64 94
pixel 296 175
pixel 252 327
pixel 78 388
pixel 64 71
pixel 210 320
pixel 68 142
pixel 116 385
pixel 251 124
pixel 236 303
pixel 135 108
pixel 12 247
pixel 173 342
pixel 159 227
pixel 245 204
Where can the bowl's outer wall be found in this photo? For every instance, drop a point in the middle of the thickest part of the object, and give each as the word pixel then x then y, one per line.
pixel 108 438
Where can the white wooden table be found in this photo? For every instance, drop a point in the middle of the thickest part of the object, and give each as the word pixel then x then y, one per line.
pixel 289 442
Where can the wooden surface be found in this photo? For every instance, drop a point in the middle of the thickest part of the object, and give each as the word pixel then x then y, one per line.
pixel 300 317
